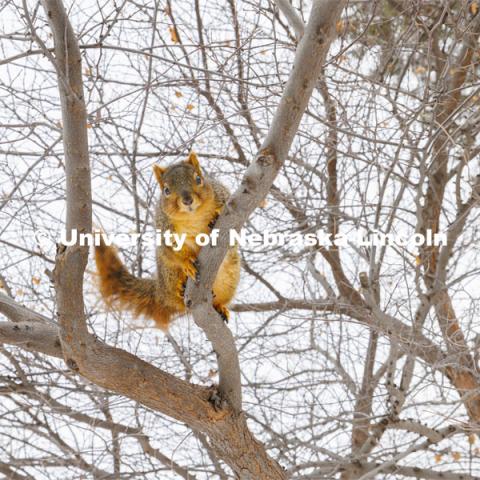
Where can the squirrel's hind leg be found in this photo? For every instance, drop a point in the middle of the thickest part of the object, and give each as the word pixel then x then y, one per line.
pixel 222 310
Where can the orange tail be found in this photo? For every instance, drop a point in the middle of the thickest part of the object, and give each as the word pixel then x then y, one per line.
pixel 120 288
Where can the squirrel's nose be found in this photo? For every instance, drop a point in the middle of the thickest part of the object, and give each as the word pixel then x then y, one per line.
pixel 187 199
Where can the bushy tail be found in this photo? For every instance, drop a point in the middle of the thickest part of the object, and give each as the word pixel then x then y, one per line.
pixel 120 288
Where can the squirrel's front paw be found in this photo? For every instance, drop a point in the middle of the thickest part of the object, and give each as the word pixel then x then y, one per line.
pixel 191 269
pixel 182 285
pixel 213 222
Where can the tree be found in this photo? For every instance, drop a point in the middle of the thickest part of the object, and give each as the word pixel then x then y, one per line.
pixel 347 360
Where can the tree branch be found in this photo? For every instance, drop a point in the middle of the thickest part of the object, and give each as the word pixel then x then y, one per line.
pixel 32 336
pixel 292 16
pixel 256 183
pixel 17 313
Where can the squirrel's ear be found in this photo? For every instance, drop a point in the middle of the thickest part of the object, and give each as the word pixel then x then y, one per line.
pixel 159 171
pixel 193 161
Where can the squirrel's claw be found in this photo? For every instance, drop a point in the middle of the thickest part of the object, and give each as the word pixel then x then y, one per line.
pixel 213 222
pixel 223 312
pixel 196 266
pixel 182 285
pixel 190 269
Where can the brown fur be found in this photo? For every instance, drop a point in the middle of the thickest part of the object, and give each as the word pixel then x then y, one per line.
pixel 162 298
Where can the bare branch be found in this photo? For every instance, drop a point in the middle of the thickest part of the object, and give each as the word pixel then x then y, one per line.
pixel 32 336
pixel 292 16
pixel 256 183
pixel 16 313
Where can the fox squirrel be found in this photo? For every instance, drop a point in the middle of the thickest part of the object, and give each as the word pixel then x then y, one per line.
pixel 190 203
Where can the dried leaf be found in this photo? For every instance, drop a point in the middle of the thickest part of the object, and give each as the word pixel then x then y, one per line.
pixel 173 34
pixel 340 27
pixel 178 94
pixel 189 107
pixel 35 280
pixel 474 8
pixel 456 456
pixel 438 457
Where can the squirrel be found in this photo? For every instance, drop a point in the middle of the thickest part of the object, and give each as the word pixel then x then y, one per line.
pixel 189 204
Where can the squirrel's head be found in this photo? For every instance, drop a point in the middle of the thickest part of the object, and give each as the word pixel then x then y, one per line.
pixel 183 186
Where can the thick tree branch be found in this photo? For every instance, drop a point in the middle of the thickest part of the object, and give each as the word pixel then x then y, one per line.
pixel 32 336
pixel 16 313
pixel 71 262
pixel 121 372
pixel 256 183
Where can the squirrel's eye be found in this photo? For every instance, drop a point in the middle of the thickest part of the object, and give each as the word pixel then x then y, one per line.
pixel 166 191
pixel 198 179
